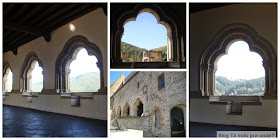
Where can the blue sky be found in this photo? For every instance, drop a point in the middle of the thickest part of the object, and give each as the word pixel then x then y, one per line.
pixel 114 75
pixel 145 32
pixel 240 63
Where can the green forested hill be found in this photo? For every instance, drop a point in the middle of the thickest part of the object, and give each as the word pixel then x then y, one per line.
pixel 240 87
pixel 135 53
pixel 89 82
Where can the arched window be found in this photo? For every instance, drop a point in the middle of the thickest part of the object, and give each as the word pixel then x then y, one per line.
pixel 220 47
pixel 7 77
pixel 83 72
pixel 175 39
pixel 69 54
pixel 177 122
pixel 126 110
pixel 32 61
pixel 149 36
pixel 240 72
pixel 138 108
pixel 119 112
pixel 157 118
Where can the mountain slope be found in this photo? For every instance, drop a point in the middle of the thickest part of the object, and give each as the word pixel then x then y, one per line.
pixel 88 82
pixel 240 87
pixel 135 53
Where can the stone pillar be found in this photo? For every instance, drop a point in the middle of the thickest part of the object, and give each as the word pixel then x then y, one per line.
pixel 174 46
pixel 4 84
pixel 179 45
pixel 267 89
pixel 29 83
pixel 205 76
pixel 118 44
pixel 67 80
pixel 212 80
pixel 169 47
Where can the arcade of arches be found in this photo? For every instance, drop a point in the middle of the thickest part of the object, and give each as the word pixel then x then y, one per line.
pixel 54 57
pixel 231 23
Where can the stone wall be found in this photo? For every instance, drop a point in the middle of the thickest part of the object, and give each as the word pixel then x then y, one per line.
pixel 164 99
pixel 204 26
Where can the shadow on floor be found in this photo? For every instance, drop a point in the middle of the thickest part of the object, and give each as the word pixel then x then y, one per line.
pixel 22 122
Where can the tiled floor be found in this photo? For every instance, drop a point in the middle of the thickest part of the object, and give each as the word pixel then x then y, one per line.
pixel 210 130
pixel 22 122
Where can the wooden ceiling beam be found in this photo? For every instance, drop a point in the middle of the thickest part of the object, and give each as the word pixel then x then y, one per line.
pixel 26 29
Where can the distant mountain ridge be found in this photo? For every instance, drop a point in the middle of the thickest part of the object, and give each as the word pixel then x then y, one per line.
pixel 240 87
pixel 88 82
pixel 135 53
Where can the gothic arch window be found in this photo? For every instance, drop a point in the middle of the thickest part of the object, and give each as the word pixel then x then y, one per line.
pixel 126 110
pixel 220 46
pixel 119 112
pixel 26 72
pixel 240 72
pixel 138 107
pixel 68 54
pixel 7 77
pixel 175 46
pixel 84 74
pixel 157 118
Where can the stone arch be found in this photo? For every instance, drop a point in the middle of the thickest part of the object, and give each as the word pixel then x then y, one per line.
pixel 138 107
pixel 174 34
pixel 157 118
pixel 181 129
pixel 6 71
pixel 219 47
pixel 26 70
pixel 119 112
pixel 126 110
pixel 68 54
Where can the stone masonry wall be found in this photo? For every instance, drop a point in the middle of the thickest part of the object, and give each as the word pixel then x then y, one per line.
pixel 164 99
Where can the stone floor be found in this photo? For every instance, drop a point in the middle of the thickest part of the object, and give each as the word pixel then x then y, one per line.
pixel 210 130
pixel 22 122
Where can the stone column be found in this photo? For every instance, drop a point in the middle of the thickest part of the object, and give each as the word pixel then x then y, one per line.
pixel 169 47
pixel 118 44
pixel 4 84
pixel 205 77
pixel 29 83
pixel 174 46
pixel 212 80
pixel 67 80
pixel 179 45
pixel 100 66
pixel 267 89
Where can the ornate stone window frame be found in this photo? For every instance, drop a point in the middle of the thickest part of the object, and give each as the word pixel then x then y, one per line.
pixel 6 72
pixel 68 54
pixel 135 106
pixel 26 72
pixel 219 47
pixel 174 35
pixel 126 110
pixel 157 118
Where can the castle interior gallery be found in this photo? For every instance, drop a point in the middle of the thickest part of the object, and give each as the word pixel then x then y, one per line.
pixel 50 36
pixel 214 28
